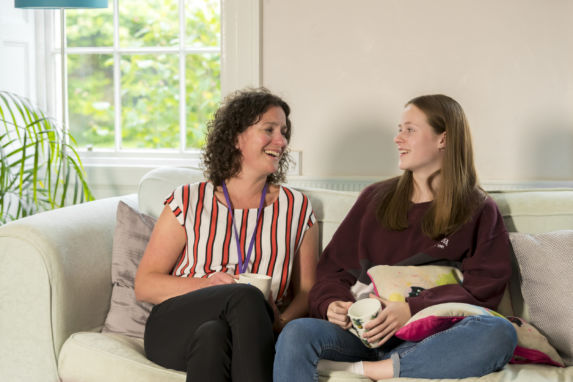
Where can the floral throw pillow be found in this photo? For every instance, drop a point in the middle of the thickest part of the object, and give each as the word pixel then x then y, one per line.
pixel 395 283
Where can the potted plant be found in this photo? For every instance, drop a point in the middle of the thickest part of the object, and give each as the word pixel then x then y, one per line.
pixel 40 169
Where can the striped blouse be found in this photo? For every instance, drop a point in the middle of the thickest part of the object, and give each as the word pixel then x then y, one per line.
pixel 211 245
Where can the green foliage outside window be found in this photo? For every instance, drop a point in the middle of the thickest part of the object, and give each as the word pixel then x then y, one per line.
pixel 150 82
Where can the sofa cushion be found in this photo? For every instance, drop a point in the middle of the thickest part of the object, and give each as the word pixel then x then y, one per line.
pixel 157 184
pixel 437 318
pixel 546 263
pixel 110 357
pixel 510 373
pixel 535 210
pixel 532 346
pixel 96 357
pixel 132 232
pixel 396 283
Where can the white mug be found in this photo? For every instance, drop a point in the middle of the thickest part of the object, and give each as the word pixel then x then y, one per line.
pixel 362 312
pixel 263 282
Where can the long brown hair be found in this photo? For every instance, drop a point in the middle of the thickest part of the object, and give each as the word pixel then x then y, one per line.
pixel 458 193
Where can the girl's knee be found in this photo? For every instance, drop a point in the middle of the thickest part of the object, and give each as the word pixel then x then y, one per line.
pixel 295 334
pixel 505 335
pixel 499 328
pixel 297 352
pixel 297 328
pixel 498 335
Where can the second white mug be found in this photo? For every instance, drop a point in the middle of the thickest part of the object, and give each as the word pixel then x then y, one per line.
pixel 362 312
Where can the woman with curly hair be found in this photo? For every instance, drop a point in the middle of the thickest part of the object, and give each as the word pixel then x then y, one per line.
pixel 239 220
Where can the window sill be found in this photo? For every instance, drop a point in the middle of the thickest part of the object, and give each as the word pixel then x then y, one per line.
pixel 112 173
pixel 140 158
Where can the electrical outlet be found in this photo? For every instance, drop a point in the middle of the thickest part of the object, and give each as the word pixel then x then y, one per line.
pixel 294 169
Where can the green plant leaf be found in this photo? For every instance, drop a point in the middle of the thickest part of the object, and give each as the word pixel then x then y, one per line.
pixel 38 163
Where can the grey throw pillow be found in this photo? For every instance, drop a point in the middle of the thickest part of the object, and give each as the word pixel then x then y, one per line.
pixel 546 263
pixel 132 232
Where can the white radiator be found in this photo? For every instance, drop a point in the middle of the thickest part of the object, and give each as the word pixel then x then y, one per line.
pixel 357 185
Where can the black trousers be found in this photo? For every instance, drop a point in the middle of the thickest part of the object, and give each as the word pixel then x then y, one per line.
pixel 220 333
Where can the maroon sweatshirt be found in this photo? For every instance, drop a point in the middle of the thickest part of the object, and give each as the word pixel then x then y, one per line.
pixel 480 249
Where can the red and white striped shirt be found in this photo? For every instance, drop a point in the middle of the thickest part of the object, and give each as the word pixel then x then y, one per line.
pixel 211 245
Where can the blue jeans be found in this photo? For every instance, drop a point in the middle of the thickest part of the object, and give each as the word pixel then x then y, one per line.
pixel 473 347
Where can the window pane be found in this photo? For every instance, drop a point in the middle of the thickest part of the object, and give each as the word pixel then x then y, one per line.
pixel 202 23
pixel 148 23
pixel 90 27
pixel 202 73
pixel 90 99
pixel 150 101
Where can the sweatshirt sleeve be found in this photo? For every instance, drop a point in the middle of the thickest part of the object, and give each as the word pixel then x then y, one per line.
pixel 339 259
pixel 486 268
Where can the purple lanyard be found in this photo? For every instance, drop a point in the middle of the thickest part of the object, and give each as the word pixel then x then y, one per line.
pixel 243 267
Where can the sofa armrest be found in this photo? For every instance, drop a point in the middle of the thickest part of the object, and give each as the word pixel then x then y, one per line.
pixel 55 279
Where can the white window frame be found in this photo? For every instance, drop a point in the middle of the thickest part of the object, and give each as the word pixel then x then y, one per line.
pixel 240 67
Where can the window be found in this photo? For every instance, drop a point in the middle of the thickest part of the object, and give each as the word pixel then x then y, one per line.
pixel 143 74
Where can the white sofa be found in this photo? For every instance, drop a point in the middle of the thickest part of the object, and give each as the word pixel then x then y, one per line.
pixel 55 285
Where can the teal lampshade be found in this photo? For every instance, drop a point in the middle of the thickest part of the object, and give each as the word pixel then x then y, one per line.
pixel 56 4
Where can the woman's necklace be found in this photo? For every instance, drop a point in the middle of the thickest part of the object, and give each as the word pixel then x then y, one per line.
pixel 243 266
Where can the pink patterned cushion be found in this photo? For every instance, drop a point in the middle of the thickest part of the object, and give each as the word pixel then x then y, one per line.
pixel 532 346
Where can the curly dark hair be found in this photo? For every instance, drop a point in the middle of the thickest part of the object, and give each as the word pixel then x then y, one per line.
pixel 238 111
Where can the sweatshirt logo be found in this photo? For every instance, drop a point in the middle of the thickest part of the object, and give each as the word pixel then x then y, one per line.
pixel 443 243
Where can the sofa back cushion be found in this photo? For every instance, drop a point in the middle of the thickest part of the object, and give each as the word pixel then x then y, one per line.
pixel 157 184
pixel 545 266
pixel 530 211
pixel 535 211
pixel 330 207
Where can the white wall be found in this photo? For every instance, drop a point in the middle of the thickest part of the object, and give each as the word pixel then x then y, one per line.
pixel 17 50
pixel 347 68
